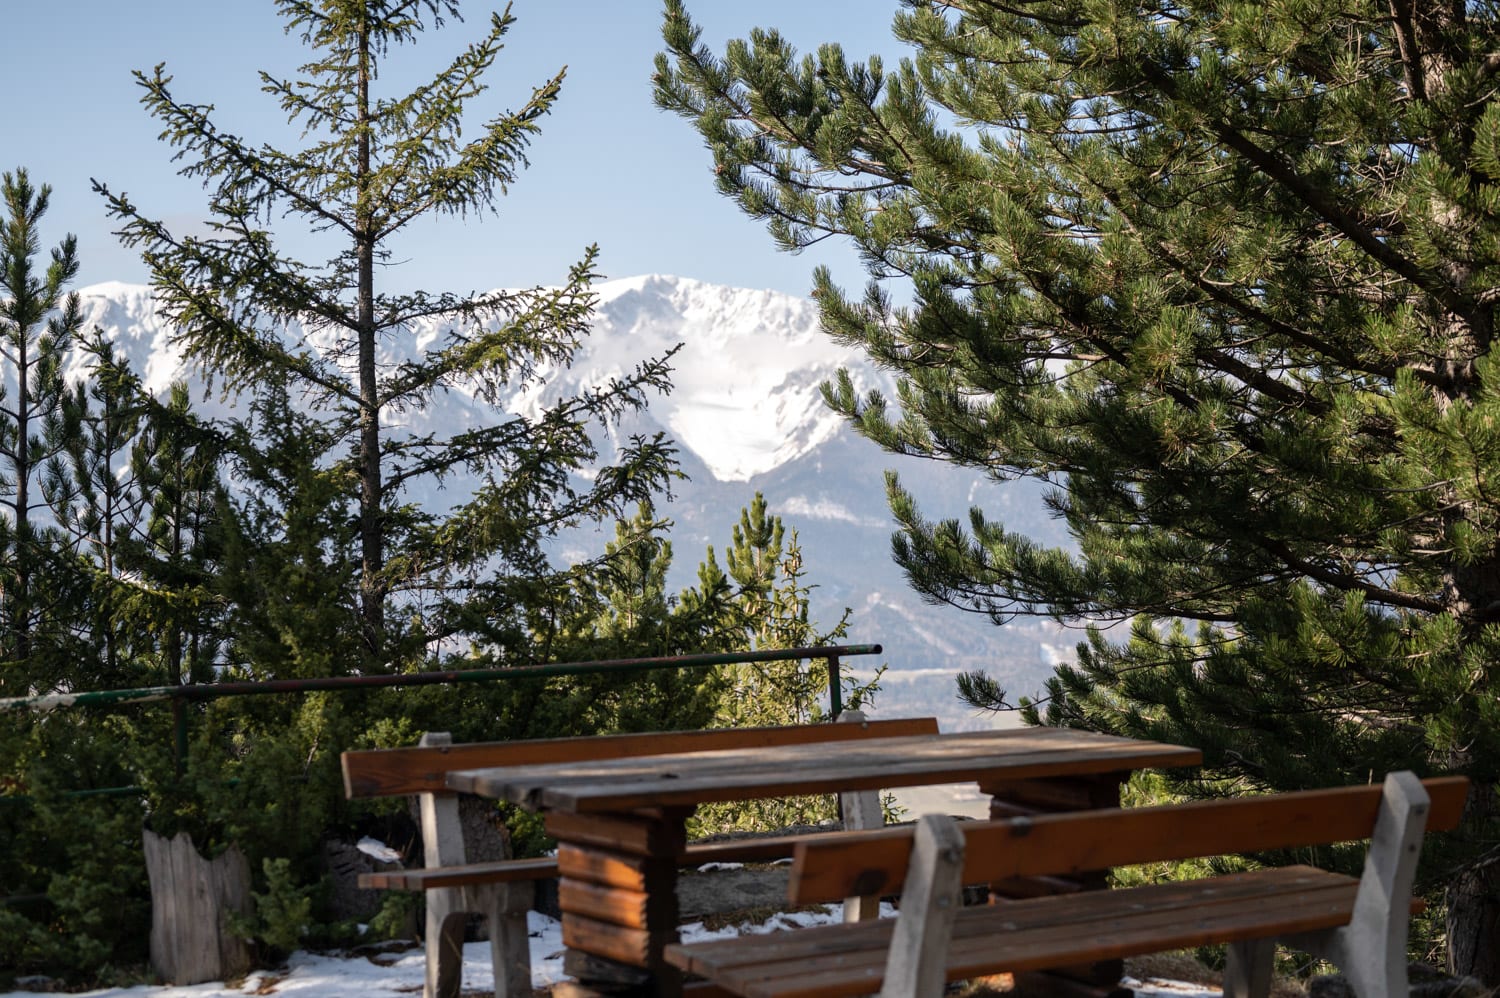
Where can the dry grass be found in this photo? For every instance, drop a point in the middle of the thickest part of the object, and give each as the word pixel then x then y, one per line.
pixel 753 916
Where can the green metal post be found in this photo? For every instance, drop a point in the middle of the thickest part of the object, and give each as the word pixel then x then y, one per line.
pixel 179 730
pixel 835 689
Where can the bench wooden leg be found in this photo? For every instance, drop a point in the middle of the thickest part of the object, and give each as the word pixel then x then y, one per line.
pixel 860 809
pixel 510 954
pixel 503 906
pixel 929 904
pixel 444 944
pixel 1248 971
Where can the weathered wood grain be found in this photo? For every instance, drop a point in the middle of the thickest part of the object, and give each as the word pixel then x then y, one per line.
pixel 917 962
pixel 868 764
pixel 870 862
pixel 1034 934
pixel 393 772
pixel 191 901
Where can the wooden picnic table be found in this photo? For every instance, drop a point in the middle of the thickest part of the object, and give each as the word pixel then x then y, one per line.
pixel 619 823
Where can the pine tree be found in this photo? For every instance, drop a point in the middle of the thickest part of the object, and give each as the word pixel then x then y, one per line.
pixel 38 417
pixel 290 569
pixel 104 506
pixel 1220 275
pixel 770 601
pixel 625 610
pixel 175 552
pixel 250 314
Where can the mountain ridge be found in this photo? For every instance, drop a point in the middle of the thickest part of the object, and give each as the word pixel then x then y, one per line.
pixel 748 416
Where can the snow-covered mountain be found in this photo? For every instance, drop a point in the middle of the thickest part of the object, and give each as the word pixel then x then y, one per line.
pixel 747 415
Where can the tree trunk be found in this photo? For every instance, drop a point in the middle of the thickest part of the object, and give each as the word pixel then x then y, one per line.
pixel 191 901
pixel 25 538
pixel 1474 925
pixel 371 522
pixel 1473 919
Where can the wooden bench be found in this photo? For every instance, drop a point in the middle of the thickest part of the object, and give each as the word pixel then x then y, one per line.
pixel 1358 924
pixel 502 891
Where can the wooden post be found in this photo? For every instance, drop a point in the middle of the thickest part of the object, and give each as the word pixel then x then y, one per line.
pixel 1011 799
pixel 504 906
pixel 191 901
pixel 860 809
pixel 917 964
pixel 617 875
pixel 1249 968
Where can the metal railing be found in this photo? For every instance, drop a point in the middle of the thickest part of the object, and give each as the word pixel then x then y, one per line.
pixel 179 696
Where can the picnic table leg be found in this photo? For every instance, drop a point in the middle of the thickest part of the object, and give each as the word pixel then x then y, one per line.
pixel 1250 968
pixel 1017 798
pixel 860 809
pixel 617 890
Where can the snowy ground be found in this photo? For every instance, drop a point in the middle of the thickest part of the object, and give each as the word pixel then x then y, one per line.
pixel 309 975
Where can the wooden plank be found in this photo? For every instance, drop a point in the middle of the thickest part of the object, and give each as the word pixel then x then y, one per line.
pixel 615 905
pixel 747 850
pixel 389 772
pixel 1048 914
pixel 636 767
pixel 1033 887
pixel 619 833
pixel 758 778
pixel 703 989
pixel 983 946
pixel 686 780
pixel 545 867
pixel 192 901
pixel 1117 924
pixel 1050 984
pixel 863 863
pixel 630 872
pixel 633 947
pixel 498 872
pixel 870 862
pixel 1054 795
pixel 919 943
pixel 1112 934
pixel 611 975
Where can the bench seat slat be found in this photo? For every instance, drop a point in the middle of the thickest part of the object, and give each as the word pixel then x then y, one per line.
pixel 1025 935
pixel 1050 911
pixel 510 870
pixel 499 872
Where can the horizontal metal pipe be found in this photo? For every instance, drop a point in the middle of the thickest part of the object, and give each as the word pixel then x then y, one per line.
pixel 26 801
pixel 213 691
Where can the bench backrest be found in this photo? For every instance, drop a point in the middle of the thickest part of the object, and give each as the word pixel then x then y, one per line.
pixel 875 862
pixel 390 772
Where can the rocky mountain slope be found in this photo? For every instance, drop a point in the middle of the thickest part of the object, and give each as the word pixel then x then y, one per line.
pixel 746 413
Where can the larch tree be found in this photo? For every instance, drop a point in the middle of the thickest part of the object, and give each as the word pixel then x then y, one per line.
pixel 251 315
pixel 1221 275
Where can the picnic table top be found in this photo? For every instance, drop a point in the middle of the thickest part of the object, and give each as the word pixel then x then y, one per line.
pixel 688 779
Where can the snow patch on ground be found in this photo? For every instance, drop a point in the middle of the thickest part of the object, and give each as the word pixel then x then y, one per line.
pixel 310 975
pixel 1159 988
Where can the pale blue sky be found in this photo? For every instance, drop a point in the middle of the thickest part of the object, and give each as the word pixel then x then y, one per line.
pixel 607 168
